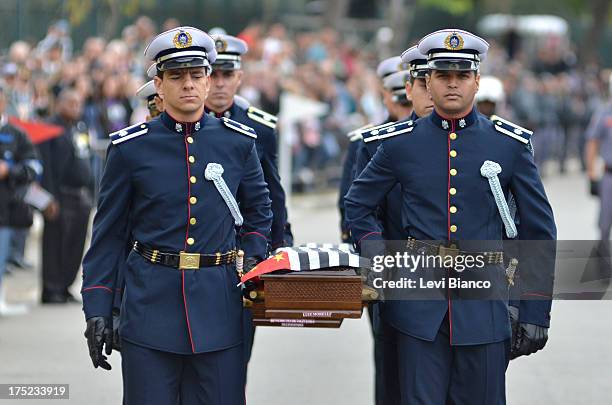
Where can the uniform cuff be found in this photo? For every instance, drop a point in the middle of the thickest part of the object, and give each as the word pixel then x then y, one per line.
pixel 97 301
pixel 535 311
pixel 254 244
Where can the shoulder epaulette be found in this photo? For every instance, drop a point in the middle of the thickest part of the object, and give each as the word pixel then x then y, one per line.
pixel 357 134
pixel 262 117
pixel 388 130
pixel 241 102
pixel 128 133
pixel 512 130
pixel 238 127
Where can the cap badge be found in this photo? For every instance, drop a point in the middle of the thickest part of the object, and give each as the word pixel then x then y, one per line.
pixel 182 39
pixel 220 45
pixel 403 66
pixel 453 42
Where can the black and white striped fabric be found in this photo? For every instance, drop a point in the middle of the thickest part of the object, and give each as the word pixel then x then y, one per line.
pixel 315 256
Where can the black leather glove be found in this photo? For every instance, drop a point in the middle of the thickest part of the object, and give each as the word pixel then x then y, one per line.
pixel 529 339
pixel 249 264
pixel 594 188
pixel 116 337
pixel 98 333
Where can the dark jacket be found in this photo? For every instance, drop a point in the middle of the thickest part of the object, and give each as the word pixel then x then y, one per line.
pixel 16 150
pixel 66 159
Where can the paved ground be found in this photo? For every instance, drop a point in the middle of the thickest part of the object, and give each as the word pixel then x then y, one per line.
pixel 300 367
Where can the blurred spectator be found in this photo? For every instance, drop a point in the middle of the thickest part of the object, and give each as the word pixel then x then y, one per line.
pixel 599 146
pixel 170 23
pixel 58 38
pixel 68 177
pixel 115 109
pixel 18 167
pixel 551 93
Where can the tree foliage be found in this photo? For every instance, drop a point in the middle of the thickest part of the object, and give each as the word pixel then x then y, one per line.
pixel 455 7
pixel 78 10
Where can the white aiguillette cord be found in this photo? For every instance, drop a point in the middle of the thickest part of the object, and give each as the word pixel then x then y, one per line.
pixel 214 173
pixel 490 170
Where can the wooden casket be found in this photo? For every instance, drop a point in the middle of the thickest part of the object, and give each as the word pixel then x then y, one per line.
pixel 320 298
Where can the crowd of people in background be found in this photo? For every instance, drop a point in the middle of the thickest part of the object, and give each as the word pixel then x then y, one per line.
pixel 548 92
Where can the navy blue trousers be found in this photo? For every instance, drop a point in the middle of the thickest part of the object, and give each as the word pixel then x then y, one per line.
pixel 153 377
pixel 436 373
pixel 386 389
pixel 187 396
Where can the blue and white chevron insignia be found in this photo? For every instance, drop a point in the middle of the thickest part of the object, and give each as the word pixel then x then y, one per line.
pixel 262 117
pixel 357 134
pixel 388 130
pixel 128 133
pixel 506 127
pixel 238 127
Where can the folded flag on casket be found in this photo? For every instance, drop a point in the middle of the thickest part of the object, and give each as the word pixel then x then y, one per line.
pixel 308 257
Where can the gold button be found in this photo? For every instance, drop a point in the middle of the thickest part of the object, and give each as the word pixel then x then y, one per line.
pixel 453 136
pixel 453 228
pixel 453 172
pixel 192 221
pixel 189 139
pixel 190 241
pixel 191 159
pixel 452 191
pixel 193 200
pixel 453 209
pixel 453 153
pixel 193 179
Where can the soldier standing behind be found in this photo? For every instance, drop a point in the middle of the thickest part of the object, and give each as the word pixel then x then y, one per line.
pixel 67 175
pixel 222 101
pixel 398 107
pixel 171 185
pixel 412 82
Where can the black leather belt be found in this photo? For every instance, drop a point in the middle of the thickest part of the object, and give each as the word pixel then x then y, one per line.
pixel 183 260
pixel 433 249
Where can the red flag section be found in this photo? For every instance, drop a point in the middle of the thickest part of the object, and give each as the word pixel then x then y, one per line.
pixel 37 131
pixel 279 261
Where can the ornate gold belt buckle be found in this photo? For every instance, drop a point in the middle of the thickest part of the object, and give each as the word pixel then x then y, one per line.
pixel 444 251
pixel 189 261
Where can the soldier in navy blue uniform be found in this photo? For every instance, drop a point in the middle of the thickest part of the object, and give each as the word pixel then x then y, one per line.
pixel 406 85
pixel 398 107
pixel 155 106
pixel 171 186
pixel 148 93
pixel 454 351
pixel 223 102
